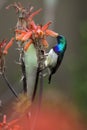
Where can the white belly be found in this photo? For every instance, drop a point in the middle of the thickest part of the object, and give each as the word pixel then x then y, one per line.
pixel 51 59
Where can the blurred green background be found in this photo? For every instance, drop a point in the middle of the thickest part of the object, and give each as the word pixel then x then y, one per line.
pixel 69 18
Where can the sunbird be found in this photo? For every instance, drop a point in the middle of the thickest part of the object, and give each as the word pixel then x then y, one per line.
pixel 55 56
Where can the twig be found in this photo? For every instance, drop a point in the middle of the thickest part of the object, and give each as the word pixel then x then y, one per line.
pixel 9 85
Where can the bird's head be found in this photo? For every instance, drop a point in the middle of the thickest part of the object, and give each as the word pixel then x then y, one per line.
pixel 61 44
pixel 61 39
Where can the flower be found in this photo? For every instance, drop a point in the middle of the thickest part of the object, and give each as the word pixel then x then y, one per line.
pixel 31 32
pixel 25 14
pixel 12 125
pixel 2 43
pixel 31 23
pixel 19 8
pixel 38 32
pixel 5 51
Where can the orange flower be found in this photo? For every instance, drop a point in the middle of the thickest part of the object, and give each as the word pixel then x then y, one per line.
pixel 33 14
pixel 19 36
pixel 20 31
pixel 8 46
pixel 45 27
pixel 35 32
pixel 32 25
pixel 39 32
pixel 18 6
pixel 51 33
pixel 2 44
pixel 27 36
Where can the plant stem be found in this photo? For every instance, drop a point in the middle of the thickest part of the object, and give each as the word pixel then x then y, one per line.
pixel 23 72
pixel 40 60
pixel 9 85
pixel 36 84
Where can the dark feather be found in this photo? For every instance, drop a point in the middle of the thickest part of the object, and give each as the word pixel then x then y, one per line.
pixel 53 70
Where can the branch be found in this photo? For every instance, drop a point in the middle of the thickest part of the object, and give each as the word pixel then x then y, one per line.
pixel 9 85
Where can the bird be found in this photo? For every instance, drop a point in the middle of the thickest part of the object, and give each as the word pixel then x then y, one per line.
pixel 55 56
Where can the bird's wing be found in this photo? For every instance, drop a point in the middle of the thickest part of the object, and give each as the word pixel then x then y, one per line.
pixel 51 62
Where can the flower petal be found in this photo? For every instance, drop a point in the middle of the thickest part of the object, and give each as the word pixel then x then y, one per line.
pixel 46 26
pixel 51 33
pixel 33 25
pixel 8 46
pixel 34 13
pixel 20 36
pixel 2 43
pixel 27 45
pixel 27 36
pixel 20 31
